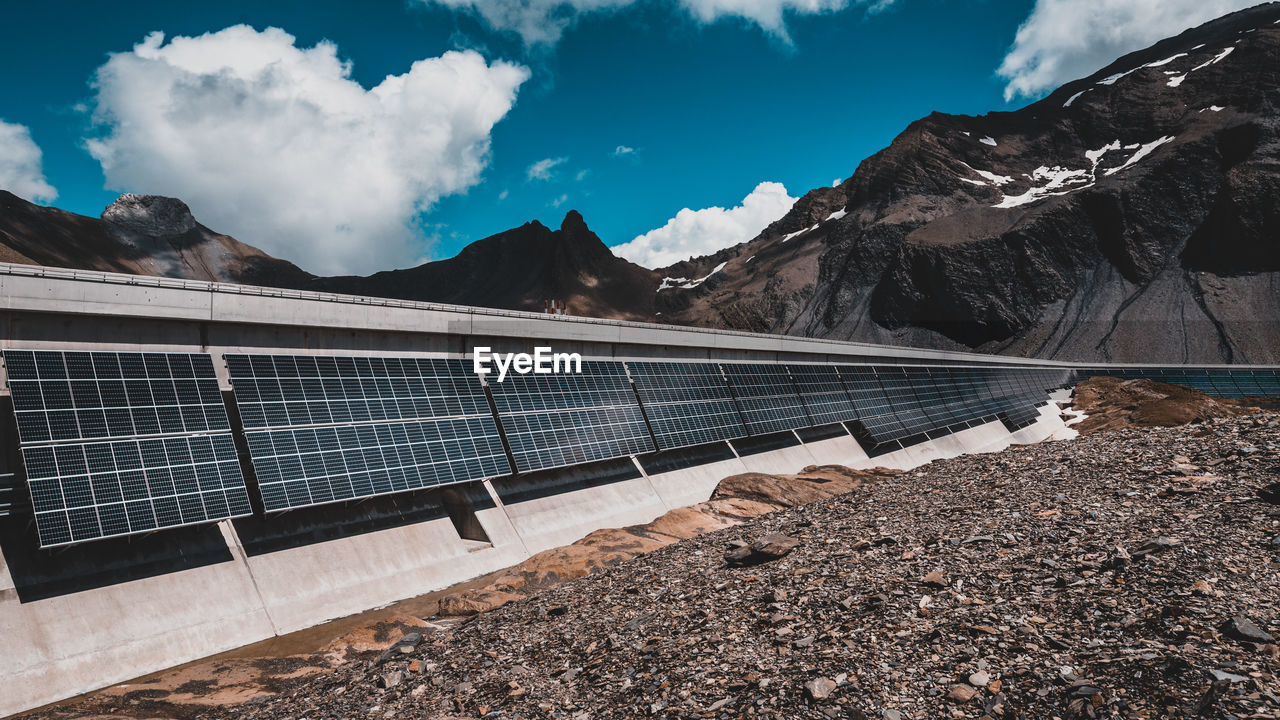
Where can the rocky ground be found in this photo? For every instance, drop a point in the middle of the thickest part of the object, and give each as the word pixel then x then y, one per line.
pixel 1131 573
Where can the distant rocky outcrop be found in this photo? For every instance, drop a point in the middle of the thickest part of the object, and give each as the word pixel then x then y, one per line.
pixel 138 234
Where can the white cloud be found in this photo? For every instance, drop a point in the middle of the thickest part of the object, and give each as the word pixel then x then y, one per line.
pixel 277 145
pixel 542 22
pixel 1063 40
pixel 622 150
pixel 557 202
pixel 544 168
pixel 21 165
pixel 700 232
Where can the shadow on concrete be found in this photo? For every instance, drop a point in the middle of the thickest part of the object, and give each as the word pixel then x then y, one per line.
pixel 764 443
pixel 545 483
pixel 683 458
pixel 324 523
pixel 822 432
pixel 43 574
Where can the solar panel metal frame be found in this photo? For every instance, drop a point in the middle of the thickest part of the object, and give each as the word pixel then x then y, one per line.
pixel 687 403
pixel 560 419
pixel 331 428
pixel 132 443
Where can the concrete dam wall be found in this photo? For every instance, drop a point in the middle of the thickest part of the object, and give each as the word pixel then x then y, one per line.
pixel 374 465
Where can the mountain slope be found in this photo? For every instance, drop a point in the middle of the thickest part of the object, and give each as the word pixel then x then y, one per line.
pixel 1131 215
pixel 519 270
pixel 138 234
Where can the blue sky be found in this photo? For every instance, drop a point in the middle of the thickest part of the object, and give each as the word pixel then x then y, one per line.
pixel 711 103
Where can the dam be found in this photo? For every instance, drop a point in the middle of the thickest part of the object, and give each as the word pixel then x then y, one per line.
pixel 192 467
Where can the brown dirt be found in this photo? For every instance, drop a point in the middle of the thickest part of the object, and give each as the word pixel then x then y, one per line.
pixel 1111 404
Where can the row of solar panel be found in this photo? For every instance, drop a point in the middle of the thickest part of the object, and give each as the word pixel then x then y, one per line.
pixel 114 444
pixel 1220 382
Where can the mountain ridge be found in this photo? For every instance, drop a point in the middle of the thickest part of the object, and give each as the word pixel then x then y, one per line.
pixel 1132 215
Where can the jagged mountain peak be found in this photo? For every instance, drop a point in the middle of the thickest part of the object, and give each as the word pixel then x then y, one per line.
pixel 151 215
pixel 1129 215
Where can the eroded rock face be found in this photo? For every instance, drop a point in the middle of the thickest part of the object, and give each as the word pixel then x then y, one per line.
pixel 1130 215
pixel 150 215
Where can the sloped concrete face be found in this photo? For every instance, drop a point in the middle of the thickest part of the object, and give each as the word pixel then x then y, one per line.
pixel 552 508
pixel 690 486
pixel 61 646
pixel 837 451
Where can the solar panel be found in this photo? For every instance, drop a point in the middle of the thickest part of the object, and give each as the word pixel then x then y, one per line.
pixel 299 467
pixel 119 443
pixel 570 418
pixel 88 491
pixel 767 397
pixel 823 393
pixel 325 429
pixel 61 396
pixel 686 403
pixel 1019 417
pixel 876 421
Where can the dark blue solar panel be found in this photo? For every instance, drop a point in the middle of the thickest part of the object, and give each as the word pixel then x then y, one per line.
pixel 123 443
pixel 325 429
pixel 686 403
pixel 552 420
pixel 823 393
pixel 61 396
pixel 767 397
pixel 88 491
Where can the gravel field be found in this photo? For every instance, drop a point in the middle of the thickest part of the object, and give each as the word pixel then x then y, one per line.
pixel 1131 573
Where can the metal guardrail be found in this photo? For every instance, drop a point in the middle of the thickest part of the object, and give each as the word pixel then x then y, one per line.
pixel 260 291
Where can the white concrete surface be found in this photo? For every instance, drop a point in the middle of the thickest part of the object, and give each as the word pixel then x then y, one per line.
pixel 837 451
pixel 690 486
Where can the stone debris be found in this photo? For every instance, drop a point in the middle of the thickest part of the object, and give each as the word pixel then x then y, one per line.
pixel 1045 581
pixel 766 548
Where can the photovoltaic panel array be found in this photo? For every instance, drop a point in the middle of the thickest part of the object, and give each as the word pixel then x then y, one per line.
pixel 123 443
pixel 898 403
pixel 324 429
pixel 766 397
pixel 687 403
pixel 1242 382
pixel 569 418
pixel 823 393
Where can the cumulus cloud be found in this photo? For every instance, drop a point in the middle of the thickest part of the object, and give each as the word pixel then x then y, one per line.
pixel 544 168
pixel 1063 40
pixel 623 150
pixel 700 232
pixel 277 145
pixel 542 22
pixel 21 165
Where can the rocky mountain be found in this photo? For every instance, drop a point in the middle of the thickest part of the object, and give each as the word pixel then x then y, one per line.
pixel 518 269
pixel 138 234
pixel 1131 215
